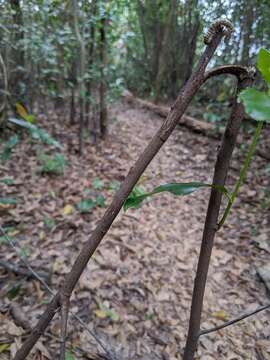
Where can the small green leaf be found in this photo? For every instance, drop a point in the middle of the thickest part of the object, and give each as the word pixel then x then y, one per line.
pixel 8 201
pixel 54 164
pixel 69 356
pixel 49 223
pixel 13 291
pixel 3 240
pixel 257 104
pixel 104 311
pixel 114 185
pixel 86 205
pixel 36 132
pixel 100 200
pixel 97 184
pixel 4 347
pixel 7 181
pixel 12 142
pixel 264 64
pixel 25 252
pixel 134 200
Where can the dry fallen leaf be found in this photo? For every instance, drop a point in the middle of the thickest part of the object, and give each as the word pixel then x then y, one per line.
pixel 68 209
pixel 221 315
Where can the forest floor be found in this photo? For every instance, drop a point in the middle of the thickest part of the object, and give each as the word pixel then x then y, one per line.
pixel 136 290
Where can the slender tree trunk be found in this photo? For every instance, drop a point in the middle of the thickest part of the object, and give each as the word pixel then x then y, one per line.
pixel 191 49
pixel 164 50
pixel 211 222
pixel 103 115
pixel 247 31
pixel 91 62
pixel 73 81
pixel 17 55
pixel 81 73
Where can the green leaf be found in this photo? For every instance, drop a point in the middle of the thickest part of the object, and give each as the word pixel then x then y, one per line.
pixel 7 181
pixel 97 184
pixel 100 200
pixel 114 185
pixel 13 291
pixel 86 205
pixel 12 142
pixel 36 132
pixel 8 201
pixel 54 164
pixel 264 64
pixel 69 356
pixel 104 311
pixel 135 199
pixel 257 104
pixel 49 223
pixel 4 347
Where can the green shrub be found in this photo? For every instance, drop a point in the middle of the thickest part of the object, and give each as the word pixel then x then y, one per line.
pixel 52 165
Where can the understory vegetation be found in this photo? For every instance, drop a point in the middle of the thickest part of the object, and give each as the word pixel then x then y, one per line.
pixel 134 179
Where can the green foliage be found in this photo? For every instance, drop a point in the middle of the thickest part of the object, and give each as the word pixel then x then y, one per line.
pixel 6 201
pixel 100 200
pixel 267 169
pixel 264 64
pixel 114 185
pixel 52 165
pixel 97 183
pixel 265 202
pixel 69 356
pixel 87 205
pixel 8 148
pixel 36 132
pixel 138 195
pixel 13 291
pixel 7 181
pixel 257 104
pixel 49 223
pixel 104 311
pixel 9 231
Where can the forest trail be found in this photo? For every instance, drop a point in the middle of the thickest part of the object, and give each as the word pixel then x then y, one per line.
pixel 137 288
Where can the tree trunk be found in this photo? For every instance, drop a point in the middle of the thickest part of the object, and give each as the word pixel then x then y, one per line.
pixel 103 85
pixel 17 55
pixel 81 72
pixel 91 51
pixel 164 50
pixel 191 49
pixel 247 30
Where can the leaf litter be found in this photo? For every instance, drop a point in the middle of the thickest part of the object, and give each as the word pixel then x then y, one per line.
pixel 137 288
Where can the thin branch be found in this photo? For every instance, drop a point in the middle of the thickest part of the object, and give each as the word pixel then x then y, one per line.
pixel 20 271
pixel 65 303
pixel 237 70
pixel 98 340
pixel 211 221
pixel 234 321
pixel 5 77
pixel 243 172
pixel 13 244
pixel 35 275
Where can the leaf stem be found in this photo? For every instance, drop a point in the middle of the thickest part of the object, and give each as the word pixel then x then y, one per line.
pixel 243 172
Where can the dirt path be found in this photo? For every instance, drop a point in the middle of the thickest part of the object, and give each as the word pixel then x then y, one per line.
pixel 137 289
